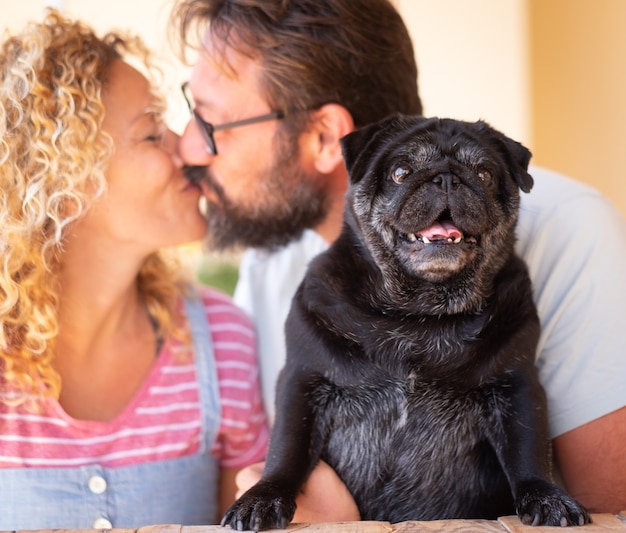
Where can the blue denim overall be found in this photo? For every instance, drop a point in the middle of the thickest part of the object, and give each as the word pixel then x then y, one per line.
pixel 177 491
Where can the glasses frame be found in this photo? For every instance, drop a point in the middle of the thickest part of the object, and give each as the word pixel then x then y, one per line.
pixel 207 129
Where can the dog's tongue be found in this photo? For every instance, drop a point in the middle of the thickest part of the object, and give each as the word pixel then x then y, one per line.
pixel 444 229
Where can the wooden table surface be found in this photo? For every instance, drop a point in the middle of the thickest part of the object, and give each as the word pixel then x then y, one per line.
pixel 506 524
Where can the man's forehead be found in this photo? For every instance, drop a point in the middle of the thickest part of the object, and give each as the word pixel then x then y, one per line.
pixel 230 56
pixel 226 82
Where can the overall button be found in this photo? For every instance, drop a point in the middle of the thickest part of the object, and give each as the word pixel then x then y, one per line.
pixel 97 484
pixel 102 523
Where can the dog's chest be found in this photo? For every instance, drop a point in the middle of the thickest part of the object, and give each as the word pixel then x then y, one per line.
pixel 389 412
pixel 408 436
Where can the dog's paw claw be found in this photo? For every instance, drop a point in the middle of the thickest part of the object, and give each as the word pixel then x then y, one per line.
pixel 260 508
pixel 542 503
pixel 530 520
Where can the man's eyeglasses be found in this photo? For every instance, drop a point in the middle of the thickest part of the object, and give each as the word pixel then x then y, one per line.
pixel 207 128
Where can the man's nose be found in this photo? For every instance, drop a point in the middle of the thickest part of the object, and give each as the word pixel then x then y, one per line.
pixel 192 148
pixel 169 143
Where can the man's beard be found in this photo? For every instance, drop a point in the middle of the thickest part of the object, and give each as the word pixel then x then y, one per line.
pixel 290 201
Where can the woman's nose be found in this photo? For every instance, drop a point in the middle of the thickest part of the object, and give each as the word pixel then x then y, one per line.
pixel 192 147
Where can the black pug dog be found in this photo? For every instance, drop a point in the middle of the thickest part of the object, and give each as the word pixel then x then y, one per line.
pixel 411 342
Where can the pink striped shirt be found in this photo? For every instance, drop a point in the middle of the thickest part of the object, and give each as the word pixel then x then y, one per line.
pixel 163 420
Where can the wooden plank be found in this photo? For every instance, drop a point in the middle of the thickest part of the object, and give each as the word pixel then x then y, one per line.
pixel 506 524
pixel 451 526
pixel 163 528
pixel 601 522
pixel 328 527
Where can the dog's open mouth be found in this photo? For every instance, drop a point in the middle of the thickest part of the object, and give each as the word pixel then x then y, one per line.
pixel 442 231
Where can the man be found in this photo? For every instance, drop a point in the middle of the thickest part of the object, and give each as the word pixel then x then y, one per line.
pixel 309 72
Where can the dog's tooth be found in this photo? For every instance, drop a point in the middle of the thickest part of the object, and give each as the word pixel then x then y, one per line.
pixel 425 240
pixel 457 240
pixel 411 237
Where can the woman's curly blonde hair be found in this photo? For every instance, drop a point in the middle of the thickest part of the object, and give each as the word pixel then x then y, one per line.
pixel 53 155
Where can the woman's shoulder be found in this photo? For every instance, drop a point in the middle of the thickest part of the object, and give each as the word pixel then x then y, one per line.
pixel 220 306
pixel 231 328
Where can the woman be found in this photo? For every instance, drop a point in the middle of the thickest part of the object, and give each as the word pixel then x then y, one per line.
pixel 127 397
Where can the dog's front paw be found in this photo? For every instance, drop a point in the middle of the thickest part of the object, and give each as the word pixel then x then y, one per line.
pixel 263 506
pixel 543 504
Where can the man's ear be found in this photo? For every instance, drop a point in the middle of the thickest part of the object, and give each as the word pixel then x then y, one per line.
pixel 330 123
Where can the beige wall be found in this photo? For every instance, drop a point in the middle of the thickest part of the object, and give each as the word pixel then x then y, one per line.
pixel 472 58
pixel 147 18
pixel 578 54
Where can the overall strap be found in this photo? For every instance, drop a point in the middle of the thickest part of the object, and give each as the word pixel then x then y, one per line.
pixel 208 384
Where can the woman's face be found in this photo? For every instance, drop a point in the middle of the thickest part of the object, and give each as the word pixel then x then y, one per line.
pixel 149 204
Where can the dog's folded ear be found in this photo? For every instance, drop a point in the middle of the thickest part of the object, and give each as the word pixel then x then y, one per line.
pixel 517 157
pixel 355 143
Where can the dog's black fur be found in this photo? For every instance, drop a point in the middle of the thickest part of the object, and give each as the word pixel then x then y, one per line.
pixel 410 361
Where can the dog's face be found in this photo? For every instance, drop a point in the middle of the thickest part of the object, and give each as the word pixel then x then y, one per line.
pixel 435 200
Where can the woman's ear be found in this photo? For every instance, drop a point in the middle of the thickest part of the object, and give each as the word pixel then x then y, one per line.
pixel 330 123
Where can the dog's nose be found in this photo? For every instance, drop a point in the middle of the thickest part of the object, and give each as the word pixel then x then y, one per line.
pixel 447 181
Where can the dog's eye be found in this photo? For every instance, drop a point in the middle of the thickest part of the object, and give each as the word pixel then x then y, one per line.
pixel 399 173
pixel 486 177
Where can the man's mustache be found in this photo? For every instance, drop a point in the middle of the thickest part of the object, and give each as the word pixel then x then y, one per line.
pixel 196 174
pixel 201 175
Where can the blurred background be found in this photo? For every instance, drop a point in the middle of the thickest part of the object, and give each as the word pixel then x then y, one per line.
pixel 549 73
